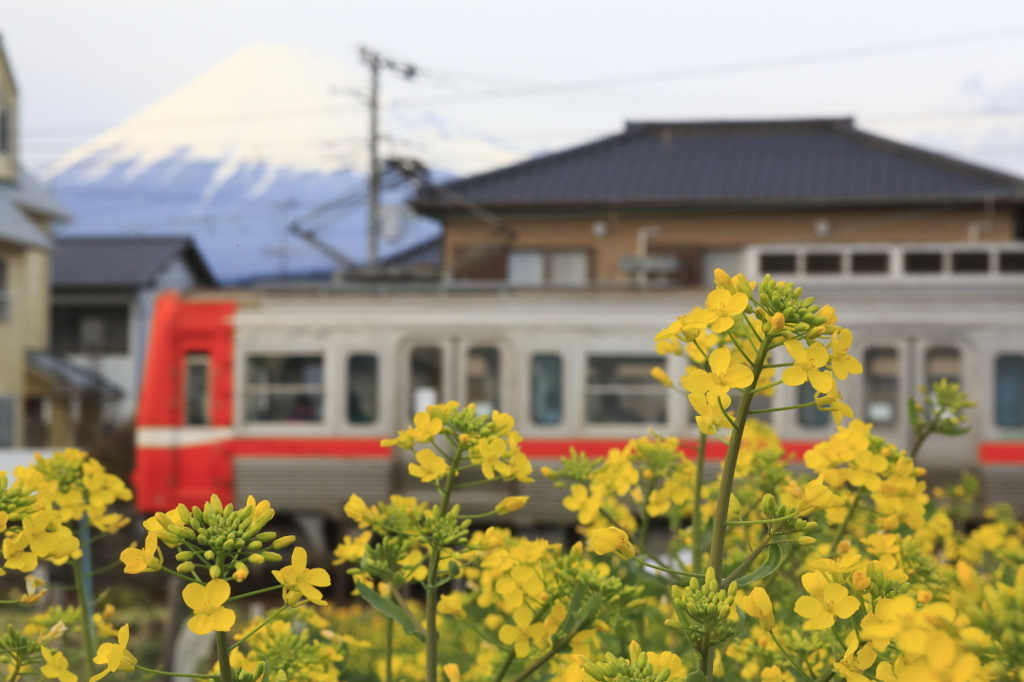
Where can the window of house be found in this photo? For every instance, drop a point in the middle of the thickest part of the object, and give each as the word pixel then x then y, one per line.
pixel 90 329
pixel 1010 390
pixel 5 132
pixel 870 263
pixel 482 379
pixel 881 385
pixel 917 263
pixel 942 363
pixel 772 263
pixel 536 267
pixel 1011 261
pixel 546 389
pixel 811 416
pixel 824 263
pixel 621 390
pixel 284 388
pixel 970 261
pixel 197 388
pixel 362 389
pixel 425 372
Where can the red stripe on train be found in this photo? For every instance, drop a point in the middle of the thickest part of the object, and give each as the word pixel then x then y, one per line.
pixel 1001 453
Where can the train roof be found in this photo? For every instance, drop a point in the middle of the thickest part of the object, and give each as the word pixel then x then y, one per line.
pixel 730 164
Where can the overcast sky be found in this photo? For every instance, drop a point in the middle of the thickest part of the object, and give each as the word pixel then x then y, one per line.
pixel 84 65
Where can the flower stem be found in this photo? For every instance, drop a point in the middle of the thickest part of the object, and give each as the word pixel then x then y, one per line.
pixel 194 676
pixel 88 635
pixel 389 635
pixel 720 528
pixel 224 657
pixel 695 521
pixel 430 610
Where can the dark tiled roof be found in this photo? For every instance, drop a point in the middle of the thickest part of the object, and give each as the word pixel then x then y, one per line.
pixel 782 163
pixel 120 262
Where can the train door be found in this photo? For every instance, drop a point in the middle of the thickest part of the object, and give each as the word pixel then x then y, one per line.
pixel 442 368
pixel 952 360
pixel 469 370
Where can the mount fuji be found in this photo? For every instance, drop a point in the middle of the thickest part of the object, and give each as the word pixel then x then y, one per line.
pixel 261 140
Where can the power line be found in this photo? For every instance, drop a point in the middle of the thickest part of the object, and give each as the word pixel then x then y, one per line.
pixel 728 68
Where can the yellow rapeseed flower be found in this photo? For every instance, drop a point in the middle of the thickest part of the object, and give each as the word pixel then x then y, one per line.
pixel 758 605
pixel 807 366
pixel 299 581
pixel 842 363
pixel 511 504
pixel 724 306
pixel 827 602
pixel 56 666
pixel 612 539
pixel 723 375
pixel 430 466
pixel 207 601
pixel 142 560
pixel 115 656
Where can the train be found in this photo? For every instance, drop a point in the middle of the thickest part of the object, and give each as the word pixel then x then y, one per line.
pixel 284 391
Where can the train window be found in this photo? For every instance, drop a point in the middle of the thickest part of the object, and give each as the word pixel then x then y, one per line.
pixel 922 262
pixel 284 388
pixel 772 263
pixel 621 390
pixel 811 416
pixel 970 261
pixel 362 389
pixel 942 363
pixel 546 389
pixel 1012 261
pixel 1010 390
pixel 426 378
pixel 881 385
pixel 824 263
pixel 870 263
pixel 482 379
pixel 197 388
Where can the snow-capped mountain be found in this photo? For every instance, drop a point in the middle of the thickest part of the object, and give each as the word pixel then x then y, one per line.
pixel 235 156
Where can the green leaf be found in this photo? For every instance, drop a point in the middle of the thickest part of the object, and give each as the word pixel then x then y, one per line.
pixel 389 609
pixel 765 569
pixel 696 676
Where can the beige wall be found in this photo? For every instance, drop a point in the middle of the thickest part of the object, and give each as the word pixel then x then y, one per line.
pixel 728 230
pixel 8 103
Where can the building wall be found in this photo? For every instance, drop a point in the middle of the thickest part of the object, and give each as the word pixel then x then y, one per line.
pixel 8 105
pixel 26 326
pixel 725 230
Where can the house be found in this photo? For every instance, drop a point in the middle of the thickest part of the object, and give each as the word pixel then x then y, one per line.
pixel 43 400
pixel 103 292
pixel 670 202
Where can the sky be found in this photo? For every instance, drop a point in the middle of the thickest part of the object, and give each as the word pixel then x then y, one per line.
pixel 536 76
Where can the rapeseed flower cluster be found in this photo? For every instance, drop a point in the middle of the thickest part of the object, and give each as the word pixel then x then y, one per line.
pixel 756 573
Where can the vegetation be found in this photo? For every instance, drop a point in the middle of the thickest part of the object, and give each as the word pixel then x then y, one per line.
pixel 854 573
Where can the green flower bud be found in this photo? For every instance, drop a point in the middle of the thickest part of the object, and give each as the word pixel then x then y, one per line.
pixel 183 556
pixel 255 559
pixel 214 572
pixel 254 546
pixel 266 536
pixel 272 556
pixel 283 542
pixel 186 567
pixel 209 555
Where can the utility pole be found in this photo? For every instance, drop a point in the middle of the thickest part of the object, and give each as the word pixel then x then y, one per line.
pixel 376 62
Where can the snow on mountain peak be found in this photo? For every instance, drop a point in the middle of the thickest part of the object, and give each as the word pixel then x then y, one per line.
pixel 269 106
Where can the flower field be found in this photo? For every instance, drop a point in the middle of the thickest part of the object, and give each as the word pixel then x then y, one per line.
pixel 853 571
